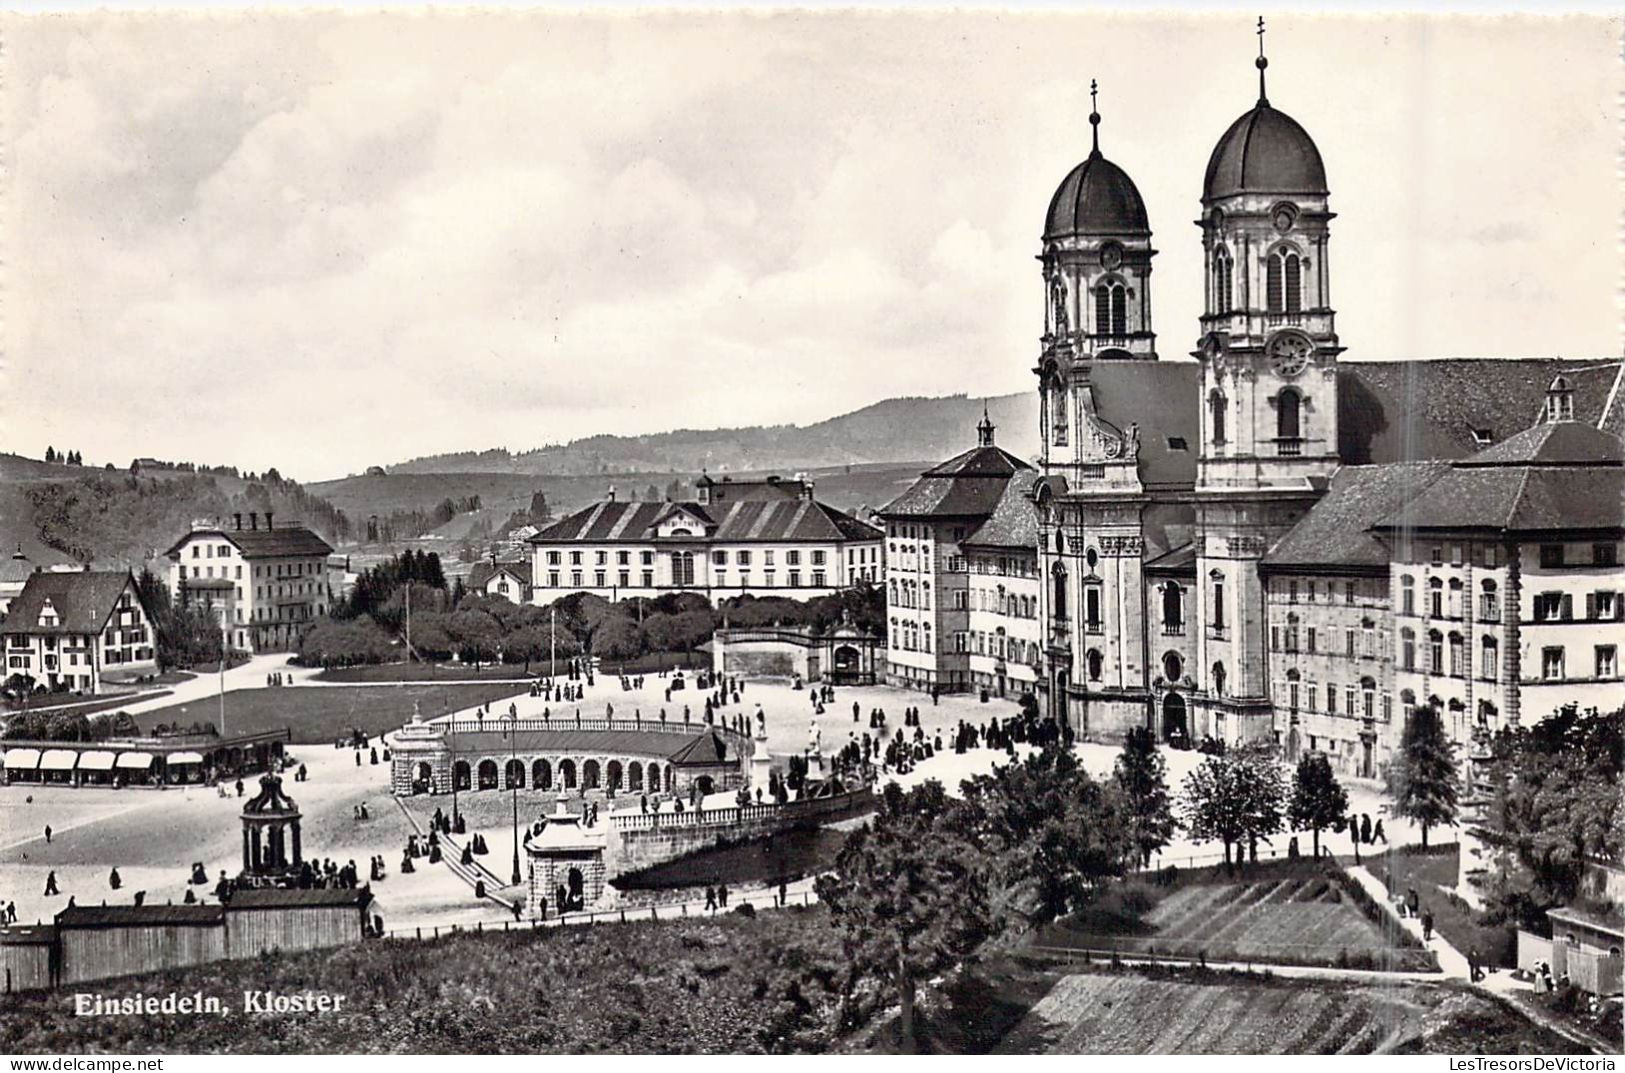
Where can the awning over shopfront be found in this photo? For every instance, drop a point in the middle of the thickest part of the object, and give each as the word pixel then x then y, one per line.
pixel 58 760
pixel 22 759
pixel 134 761
pixel 96 760
pixel 185 758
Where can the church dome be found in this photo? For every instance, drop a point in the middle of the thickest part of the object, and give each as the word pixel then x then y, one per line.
pixel 1264 152
pixel 1096 198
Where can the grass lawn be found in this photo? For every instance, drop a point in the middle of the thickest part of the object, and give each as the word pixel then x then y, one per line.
pixel 729 984
pixel 1289 912
pixel 1197 1012
pixel 426 672
pixel 1433 875
pixel 317 715
pixel 91 706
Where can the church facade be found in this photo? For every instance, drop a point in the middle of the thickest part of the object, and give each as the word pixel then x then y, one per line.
pixel 1270 543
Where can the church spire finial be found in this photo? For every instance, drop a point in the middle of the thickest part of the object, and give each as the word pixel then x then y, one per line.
pixel 984 430
pixel 1261 63
pixel 1094 115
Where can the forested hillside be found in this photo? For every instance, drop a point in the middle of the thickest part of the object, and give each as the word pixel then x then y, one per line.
pixel 114 518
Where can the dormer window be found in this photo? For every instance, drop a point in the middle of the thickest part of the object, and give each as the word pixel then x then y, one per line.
pixel 1559 401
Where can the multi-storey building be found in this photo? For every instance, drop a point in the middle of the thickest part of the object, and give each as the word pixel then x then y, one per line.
pixel 734 538
pixel 944 614
pixel 77 630
pixel 1272 542
pixel 265 585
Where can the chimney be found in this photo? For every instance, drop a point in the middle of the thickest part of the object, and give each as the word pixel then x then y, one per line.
pixel 268 524
pixel 612 493
pixel 254 519
pixel 238 518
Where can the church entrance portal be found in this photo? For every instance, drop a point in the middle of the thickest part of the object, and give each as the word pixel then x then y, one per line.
pixel 1174 731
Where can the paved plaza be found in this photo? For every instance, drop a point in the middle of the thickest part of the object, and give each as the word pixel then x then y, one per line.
pixel 153 836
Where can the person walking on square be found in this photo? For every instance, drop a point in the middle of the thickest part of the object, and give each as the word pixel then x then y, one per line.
pixel 47 834
pixel 710 897
pixel 1365 828
pixel 1377 833
pixel 1427 925
pixel 50 885
pixel 113 880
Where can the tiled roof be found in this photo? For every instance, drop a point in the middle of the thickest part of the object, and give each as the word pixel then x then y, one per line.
pixel 1014 521
pixel 1182 560
pixel 484 572
pixel 985 461
pixel 1516 498
pixel 135 916
pixel 285 540
pixel 1403 411
pixel 1335 533
pixel 14 569
pixel 279 898
pixel 740 521
pixel 83 601
pixel 707 749
pixel 1553 443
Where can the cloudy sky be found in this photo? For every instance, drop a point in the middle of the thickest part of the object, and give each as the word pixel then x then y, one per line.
pixel 321 242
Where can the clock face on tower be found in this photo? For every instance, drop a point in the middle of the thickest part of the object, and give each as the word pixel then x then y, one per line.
pixel 1111 256
pixel 1289 352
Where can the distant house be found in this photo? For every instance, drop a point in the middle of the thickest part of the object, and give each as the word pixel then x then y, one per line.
pixel 767 537
pixel 506 580
pixel 71 631
pixel 265 584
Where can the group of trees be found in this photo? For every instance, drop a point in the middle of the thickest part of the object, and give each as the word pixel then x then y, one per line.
pixel 69 458
pixel 366 626
pixel 1555 804
pixel 932 878
pixel 68 726
pixel 184 636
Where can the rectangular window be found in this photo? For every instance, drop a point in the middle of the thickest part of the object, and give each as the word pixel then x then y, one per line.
pixel 742 558
pixel 1548 606
pixel 1488 661
pixel 1091 607
pixel 818 558
pixel 600 557
pixel 575 579
pixel 1604 555
pixel 1348 643
pixel 1311 692
pixel 552 558
pixel 1331 699
pixel 1551 555
pixel 552 579
pixel 1275 638
pixel 795 579
pixel 1292 592
pixel 1603 605
pixel 719 558
pixel 1607 665
pixel 767 558
pixel 622 558
pixel 792 558
pixel 649 579
pixel 625 578
pixel 1551 664
pixel 818 579
pixel 647 558
pixel 575 558
pixel 1309 640
pixel 1489 556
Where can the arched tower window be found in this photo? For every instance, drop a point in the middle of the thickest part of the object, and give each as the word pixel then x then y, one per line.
pixel 1111 309
pixel 1216 403
pixel 1093 662
pixel 1057 412
pixel 1223 279
pixel 1287 421
pixel 1283 281
pixel 1173 609
pixel 1559 401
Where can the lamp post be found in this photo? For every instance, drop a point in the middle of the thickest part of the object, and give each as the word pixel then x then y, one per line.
pixel 513 789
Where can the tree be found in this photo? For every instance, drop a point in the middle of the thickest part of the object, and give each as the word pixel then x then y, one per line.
pixel 617 639
pixel 539 510
pixel 1317 798
pixel 50 454
pixel 1142 775
pixel 1422 777
pixel 1555 805
pixel 910 894
pixel 1055 835
pixel 477 636
pixel 1235 798
pixel 336 643
pixel 674 490
pixel 524 645
pixel 652 493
